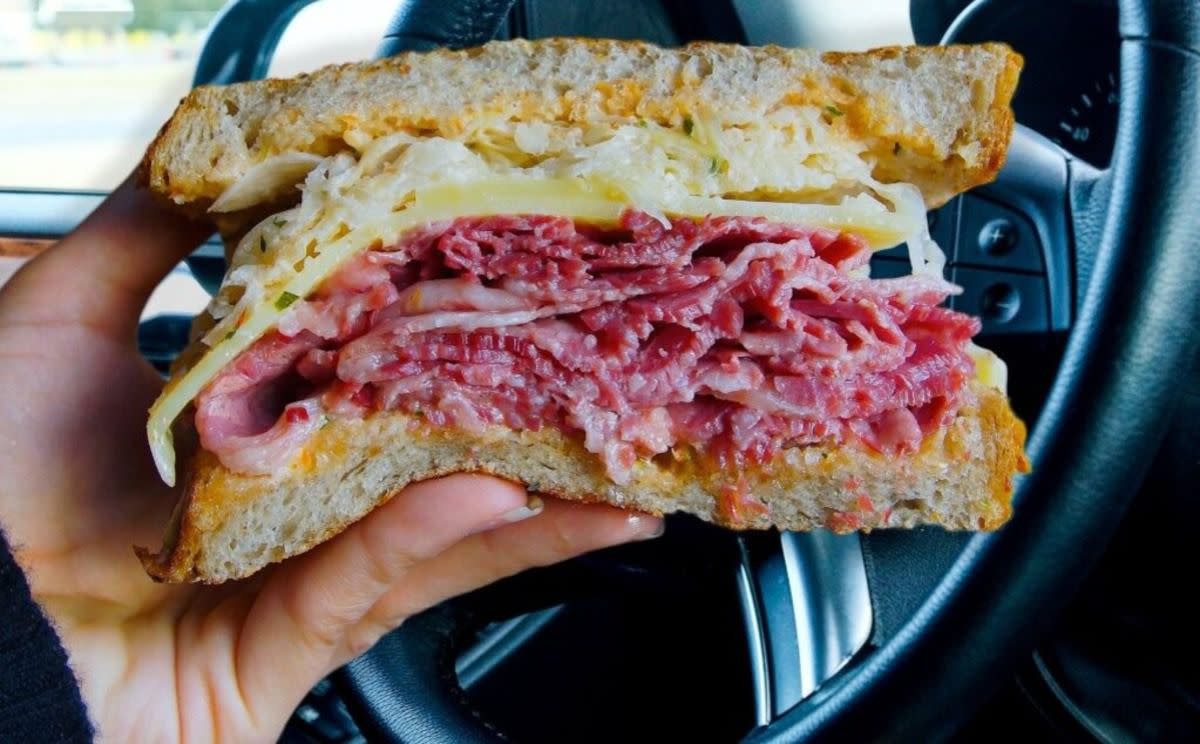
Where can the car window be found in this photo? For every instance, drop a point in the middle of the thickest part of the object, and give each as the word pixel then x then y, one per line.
pixel 844 25
pixel 85 84
pixel 331 31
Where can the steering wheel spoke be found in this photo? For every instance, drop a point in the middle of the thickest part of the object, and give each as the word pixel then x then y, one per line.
pixel 1009 243
pixel 808 612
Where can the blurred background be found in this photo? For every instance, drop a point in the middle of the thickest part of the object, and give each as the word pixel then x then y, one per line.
pixel 85 84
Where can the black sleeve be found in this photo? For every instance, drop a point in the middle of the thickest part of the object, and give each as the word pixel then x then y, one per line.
pixel 39 696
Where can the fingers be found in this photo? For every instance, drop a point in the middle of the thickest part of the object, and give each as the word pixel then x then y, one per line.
pixel 103 272
pixel 299 623
pixel 562 531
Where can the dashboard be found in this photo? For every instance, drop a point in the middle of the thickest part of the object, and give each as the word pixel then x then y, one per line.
pixel 1069 88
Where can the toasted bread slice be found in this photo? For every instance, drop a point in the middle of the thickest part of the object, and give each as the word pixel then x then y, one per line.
pixel 937 117
pixel 228 525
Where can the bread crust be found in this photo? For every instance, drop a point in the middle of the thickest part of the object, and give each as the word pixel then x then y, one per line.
pixel 231 525
pixel 938 117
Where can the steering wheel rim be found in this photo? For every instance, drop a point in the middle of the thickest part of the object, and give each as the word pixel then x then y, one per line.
pixel 1135 334
pixel 1103 421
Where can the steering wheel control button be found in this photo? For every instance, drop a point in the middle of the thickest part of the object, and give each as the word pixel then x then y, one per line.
pixel 1006 301
pixel 1000 302
pixel 997 236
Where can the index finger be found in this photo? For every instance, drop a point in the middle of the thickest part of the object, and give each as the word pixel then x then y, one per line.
pixel 102 273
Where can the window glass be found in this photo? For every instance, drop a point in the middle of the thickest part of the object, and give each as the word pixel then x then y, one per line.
pixel 85 84
pixel 331 31
pixel 844 25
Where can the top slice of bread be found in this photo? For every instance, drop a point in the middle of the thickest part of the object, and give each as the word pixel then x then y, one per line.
pixel 937 117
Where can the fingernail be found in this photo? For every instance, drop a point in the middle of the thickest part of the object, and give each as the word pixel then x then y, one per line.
pixel 642 524
pixel 532 508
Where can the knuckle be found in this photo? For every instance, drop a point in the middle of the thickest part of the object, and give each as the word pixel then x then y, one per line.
pixel 383 561
pixel 361 639
pixel 317 630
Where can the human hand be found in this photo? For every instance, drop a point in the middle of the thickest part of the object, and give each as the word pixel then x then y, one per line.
pixel 183 662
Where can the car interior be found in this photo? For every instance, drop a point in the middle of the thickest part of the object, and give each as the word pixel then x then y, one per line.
pixel 1070 623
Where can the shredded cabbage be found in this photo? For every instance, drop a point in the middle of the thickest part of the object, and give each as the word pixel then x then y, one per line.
pixel 789 167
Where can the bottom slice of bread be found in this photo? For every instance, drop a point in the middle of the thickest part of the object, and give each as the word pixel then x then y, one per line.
pixel 228 525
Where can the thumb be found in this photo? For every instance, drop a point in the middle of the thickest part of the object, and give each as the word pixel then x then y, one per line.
pixel 102 273
pixel 298 628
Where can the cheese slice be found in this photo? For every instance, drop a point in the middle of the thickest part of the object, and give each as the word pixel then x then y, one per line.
pixel 990 370
pixel 577 198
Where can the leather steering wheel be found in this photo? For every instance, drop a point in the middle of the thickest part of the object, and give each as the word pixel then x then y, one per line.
pixel 1130 230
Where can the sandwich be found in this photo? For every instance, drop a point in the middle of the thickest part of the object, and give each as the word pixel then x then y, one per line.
pixel 609 271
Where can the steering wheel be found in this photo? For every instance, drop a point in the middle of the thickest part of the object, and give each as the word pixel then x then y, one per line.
pixel 1129 233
